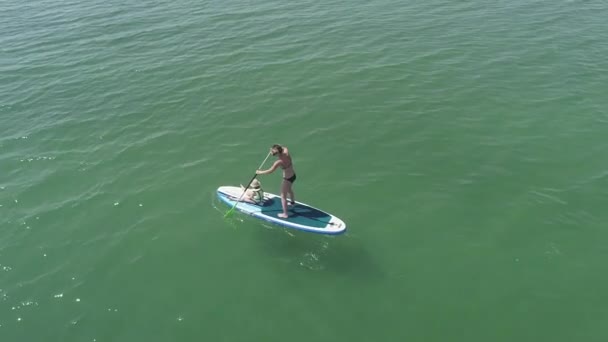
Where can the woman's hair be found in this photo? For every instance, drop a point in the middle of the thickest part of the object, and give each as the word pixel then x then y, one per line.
pixel 278 148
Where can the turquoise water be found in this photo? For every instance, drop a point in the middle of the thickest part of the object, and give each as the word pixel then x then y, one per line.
pixel 462 143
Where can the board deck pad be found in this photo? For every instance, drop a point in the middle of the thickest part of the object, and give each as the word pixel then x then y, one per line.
pixel 298 213
pixel 301 216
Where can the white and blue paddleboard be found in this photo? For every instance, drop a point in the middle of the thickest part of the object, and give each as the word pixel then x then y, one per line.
pixel 301 216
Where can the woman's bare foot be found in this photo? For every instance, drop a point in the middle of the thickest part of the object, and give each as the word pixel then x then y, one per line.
pixel 281 215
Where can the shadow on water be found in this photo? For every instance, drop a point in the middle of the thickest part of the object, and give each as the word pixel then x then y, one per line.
pixel 343 254
pixel 340 255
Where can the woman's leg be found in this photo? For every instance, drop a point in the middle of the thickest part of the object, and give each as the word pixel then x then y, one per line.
pixel 292 197
pixel 284 190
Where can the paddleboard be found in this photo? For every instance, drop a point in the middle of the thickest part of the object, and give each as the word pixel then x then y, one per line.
pixel 301 216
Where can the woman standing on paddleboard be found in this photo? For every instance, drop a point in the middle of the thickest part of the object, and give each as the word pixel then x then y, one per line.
pixel 289 175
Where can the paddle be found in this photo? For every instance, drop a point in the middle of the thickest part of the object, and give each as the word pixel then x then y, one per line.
pixel 255 175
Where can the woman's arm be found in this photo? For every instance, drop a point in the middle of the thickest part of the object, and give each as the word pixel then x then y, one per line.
pixel 271 170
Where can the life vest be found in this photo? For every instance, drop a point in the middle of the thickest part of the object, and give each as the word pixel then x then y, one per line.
pixel 258 196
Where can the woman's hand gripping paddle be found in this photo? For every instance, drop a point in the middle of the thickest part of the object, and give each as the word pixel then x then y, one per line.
pixel 255 175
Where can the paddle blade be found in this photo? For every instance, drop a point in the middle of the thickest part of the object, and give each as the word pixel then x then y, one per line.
pixel 229 212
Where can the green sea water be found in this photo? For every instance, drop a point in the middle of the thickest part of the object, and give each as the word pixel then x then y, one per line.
pixel 462 142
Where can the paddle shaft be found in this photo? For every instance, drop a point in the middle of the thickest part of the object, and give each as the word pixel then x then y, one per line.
pixel 244 191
